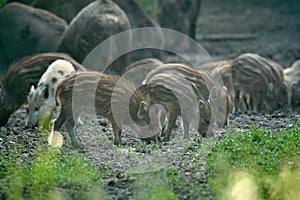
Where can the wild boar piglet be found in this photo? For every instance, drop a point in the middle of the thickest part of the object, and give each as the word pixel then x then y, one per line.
pixel 105 96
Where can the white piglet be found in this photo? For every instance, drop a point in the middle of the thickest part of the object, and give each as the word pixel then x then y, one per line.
pixel 41 99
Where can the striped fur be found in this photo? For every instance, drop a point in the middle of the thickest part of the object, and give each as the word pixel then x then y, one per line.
pixel 203 84
pixel 223 69
pixel 138 70
pixel 145 61
pixel 291 77
pixel 259 82
pixel 98 88
pixel 18 79
pixel 178 97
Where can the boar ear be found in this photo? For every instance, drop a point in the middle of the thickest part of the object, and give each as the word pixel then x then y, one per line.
pixel 143 109
pixel 201 106
pixel 44 92
pixel 32 91
pixel 214 92
pixel 143 89
pixel 144 106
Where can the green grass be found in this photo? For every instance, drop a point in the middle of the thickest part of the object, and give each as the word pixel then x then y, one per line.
pixel 158 193
pixel 52 171
pixel 156 185
pixel 2 3
pixel 149 6
pixel 260 162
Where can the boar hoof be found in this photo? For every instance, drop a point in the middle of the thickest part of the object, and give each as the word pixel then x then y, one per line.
pixel 55 139
pixel 117 142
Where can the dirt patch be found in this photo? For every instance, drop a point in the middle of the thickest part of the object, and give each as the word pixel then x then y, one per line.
pixel 273 25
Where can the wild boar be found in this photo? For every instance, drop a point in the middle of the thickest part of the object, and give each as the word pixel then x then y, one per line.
pixel 16 82
pixel 295 96
pixel 138 70
pixel 223 69
pixel 104 95
pixel 43 95
pixel 259 82
pixel 179 97
pixel 292 76
pixel 186 16
pixel 204 86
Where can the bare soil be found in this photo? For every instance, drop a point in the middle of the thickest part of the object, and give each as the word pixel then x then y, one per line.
pixel 226 29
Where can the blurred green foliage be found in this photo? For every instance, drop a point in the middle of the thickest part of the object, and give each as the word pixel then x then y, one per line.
pixel 156 185
pixel 149 6
pixel 2 3
pixel 52 174
pixel 256 159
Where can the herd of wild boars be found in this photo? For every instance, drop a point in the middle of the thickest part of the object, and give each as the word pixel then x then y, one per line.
pixel 250 82
pixel 41 98
pixel 16 82
pixel 259 83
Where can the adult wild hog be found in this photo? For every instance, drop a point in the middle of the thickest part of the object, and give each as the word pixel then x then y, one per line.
pixel 43 95
pixel 95 23
pixel 261 81
pixel 93 92
pixel 291 77
pixel 184 20
pixel 215 104
pixel 16 82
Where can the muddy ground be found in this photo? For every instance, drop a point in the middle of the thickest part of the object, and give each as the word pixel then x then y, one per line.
pixel 226 29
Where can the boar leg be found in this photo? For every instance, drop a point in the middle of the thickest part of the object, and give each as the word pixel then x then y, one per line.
pixel 58 122
pixel 117 133
pixel 248 105
pixel 251 105
pixel 171 123
pixel 69 125
pixel 236 101
pixel 186 128
pixel 162 119
pixel 256 103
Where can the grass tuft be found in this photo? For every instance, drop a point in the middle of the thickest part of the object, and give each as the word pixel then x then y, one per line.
pixel 58 171
pixel 248 160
